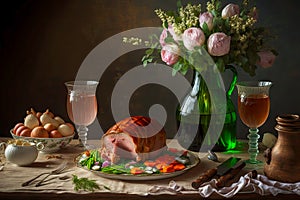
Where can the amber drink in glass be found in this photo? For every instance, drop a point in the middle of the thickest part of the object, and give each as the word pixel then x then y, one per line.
pixel 254 108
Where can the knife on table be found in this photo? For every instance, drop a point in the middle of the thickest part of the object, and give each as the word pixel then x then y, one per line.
pixel 220 171
pixel 221 181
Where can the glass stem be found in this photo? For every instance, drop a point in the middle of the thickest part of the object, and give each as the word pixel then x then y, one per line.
pixel 82 134
pixel 253 145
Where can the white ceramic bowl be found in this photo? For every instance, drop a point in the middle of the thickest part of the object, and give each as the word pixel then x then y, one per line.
pixel 51 145
pixel 21 155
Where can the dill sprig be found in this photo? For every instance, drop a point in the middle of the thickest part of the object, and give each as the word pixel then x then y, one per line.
pixel 85 184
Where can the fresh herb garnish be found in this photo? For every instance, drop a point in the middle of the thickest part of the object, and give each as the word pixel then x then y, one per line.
pixel 90 160
pixel 86 184
pixel 116 169
pixel 173 160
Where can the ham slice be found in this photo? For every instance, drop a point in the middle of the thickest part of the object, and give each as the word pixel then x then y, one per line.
pixel 137 138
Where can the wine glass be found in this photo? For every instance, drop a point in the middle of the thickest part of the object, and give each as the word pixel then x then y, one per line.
pixel 253 107
pixel 82 106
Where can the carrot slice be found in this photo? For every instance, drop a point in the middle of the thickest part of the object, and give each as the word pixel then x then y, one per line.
pixel 87 153
pixel 178 167
pixel 168 169
pixel 159 166
pixel 167 159
pixel 136 170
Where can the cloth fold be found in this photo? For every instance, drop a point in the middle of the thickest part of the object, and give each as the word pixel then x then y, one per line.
pixel 246 184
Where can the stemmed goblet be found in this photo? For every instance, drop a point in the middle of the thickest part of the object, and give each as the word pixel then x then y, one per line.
pixel 82 106
pixel 253 107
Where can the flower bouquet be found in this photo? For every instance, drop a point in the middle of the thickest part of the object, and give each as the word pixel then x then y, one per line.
pixel 229 35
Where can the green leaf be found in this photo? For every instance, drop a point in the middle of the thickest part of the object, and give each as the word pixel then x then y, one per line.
pixel 146 61
pixel 144 57
pixel 174 72
pixel 176 67
pixel 165 24
pixel 205 29
pixel 169 40
pixel 214 13
pixel 154 45
pixel 218 5
pixel 226 24
pixel 170 13
pixel 149 51
pixel 215 25
pixel 243 13
pixel 184 69
pixel 220 64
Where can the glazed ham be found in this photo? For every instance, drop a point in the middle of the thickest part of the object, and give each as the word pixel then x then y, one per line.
pixel 137 138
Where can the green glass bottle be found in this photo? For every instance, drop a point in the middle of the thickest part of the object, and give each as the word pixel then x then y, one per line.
pixel 194 117
pixel 227 139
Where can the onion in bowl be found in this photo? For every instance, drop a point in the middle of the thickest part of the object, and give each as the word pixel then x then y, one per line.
pixel 51 145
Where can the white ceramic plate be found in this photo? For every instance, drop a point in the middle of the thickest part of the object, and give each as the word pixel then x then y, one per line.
pixel 141 177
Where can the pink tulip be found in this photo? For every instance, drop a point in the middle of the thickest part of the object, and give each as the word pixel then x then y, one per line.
pixel 218 44
pixel 174 35
pixel 162 37
pixel 170 53
pixel 230 10
pixel 206 17
pixel 266 59
pixel 193 37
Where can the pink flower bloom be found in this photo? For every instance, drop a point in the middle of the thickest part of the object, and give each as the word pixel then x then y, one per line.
pixel 170 53
pixel 174 35
pixel 267 59
pixel 206 17
pixel 162 37
pixel 218 44
pixel 230 10
pixel 193 37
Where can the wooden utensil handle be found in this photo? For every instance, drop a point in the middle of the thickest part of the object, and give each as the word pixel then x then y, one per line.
pixel 206 176
pixel 223 179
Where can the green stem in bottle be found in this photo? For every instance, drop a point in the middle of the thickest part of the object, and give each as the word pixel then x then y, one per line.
pixel 234 79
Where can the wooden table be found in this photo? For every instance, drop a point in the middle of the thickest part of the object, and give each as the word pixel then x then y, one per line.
pixel 13 176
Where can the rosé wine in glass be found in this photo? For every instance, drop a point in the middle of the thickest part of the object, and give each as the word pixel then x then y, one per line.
pixel 82 106
pixel 82 109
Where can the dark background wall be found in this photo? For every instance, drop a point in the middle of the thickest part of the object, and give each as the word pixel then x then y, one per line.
pixel 43 44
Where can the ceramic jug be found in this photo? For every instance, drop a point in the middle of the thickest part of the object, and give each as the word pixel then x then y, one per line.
pixel 283 160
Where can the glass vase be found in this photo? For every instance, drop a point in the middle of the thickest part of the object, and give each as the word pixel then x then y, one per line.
pixel 194 116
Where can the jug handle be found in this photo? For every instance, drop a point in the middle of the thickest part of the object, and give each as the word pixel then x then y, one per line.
pixel 267 155
pixel 39 146
pixel 234 79
pixel 3 146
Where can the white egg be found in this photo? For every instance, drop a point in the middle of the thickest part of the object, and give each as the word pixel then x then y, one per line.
pixel 269 140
